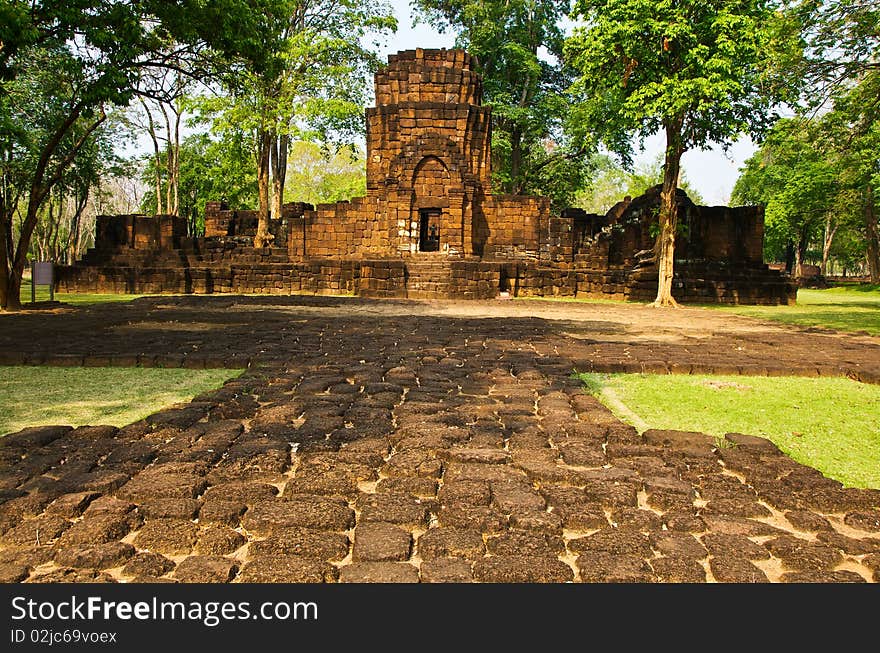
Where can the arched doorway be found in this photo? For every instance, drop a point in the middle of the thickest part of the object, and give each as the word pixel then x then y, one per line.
pixel 430 199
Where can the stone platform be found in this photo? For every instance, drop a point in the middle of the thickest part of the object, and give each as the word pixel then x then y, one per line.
pixel 400 441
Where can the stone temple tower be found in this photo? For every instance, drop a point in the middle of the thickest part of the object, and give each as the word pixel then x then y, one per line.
pixel 428 149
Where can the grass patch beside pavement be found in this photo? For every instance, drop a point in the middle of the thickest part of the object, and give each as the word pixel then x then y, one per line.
pixel 79 396
pixel 830 424
pixel 852 308
pixel 75 299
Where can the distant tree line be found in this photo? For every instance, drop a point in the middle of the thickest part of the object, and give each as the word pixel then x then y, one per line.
pixel 110 106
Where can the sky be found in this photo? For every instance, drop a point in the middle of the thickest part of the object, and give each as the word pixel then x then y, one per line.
pixel 713 172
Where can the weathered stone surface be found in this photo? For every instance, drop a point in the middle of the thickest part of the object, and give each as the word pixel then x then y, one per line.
pixel 11 572
pixel 71 505
pixel 381 542
pixel 304 511
pixel 446 570
pixel 866 520
pixel 206 569
pixel 486 520
pixel 801 555
pixel 676 569
pixel 149 485
pixel 474 493
pixel 69 575
pixel 147 564
pixel 808 521
pixel 379 572
pixel 513 497
pixel 36 531
pixel 219 540
pixel 732 569
pixel 842 576
pixel 522 569
pixel 735 508
pixel 516 542
pixel 537 521
pixel 394 508
pixel 637 519
pixel 98 527
pixel 169 508
pixel 304 543
pixel 282 568
pixel 605 567
pixel 168 536
pixel 451 543
pixel 721 545
pixel 99 556
pixel 678 545
pixel 218 511
pixel 618 541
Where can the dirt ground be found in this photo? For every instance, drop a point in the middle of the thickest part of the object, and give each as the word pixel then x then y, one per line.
pixel 400 441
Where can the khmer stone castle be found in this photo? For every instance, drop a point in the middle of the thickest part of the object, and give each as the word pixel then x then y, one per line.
pixel 430 225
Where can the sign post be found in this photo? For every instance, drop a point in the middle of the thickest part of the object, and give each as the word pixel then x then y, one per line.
pixel 42 273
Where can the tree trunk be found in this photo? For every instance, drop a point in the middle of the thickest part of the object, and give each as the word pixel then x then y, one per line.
pixel 800 253
pixel 157 155
pixel 826 246
pixel 280 146
pixel 872 235
pixel 264 143
pixel 665 246
pixel 4 259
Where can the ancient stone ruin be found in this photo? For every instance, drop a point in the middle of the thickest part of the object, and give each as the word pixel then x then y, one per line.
pixel 430 225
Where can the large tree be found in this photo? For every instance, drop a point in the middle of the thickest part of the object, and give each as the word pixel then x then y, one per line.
pixel 701 72
pixel 518 44
pixel 312 86
pixel 63 65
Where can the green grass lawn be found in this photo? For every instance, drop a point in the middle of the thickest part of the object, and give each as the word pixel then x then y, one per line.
pixel 78 396
pixel 76 299
pixel 852 307
pixel 830 424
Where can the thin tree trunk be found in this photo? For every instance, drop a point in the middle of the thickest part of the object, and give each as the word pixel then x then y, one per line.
pixel 157 155
pixel 665 246
pixel 826 246
pixel 280 146
pixel 175 171
pixel 264 144
pixel 169 163
pixel 872 235
pixel 76 229
pixel 515 161
pixel 800 253
pixel 5 226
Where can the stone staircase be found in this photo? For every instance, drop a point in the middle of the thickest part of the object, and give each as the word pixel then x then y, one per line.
pixel 428 278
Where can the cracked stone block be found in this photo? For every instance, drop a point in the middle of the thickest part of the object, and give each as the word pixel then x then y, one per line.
pixel 206 569
pixel 802 555
pixel 147 564
pixel 219 540
pixel 217 511
pixel 618 541
pixel 580 454
pixel 842 576
pixel 522 569
pixel 483 455
pixel 71 505
pixel 331 483
pixel 677 545
pixel 379 572
pixel 605 567
pixel 515 542
pixel 244 493
pixel 720 545
pixel 414 462
pixel 394 508
pixel 168 536
pixel 676 569
pixel 537 521
pixel 808 521
pixel 736 508
pixel 304 511
pixel 474 493
pixel 733 569
pixel 169 508
pixel 850 545
pixel 283 568
pixel 381 542
pixel 13 573
pixel 148 485
pixel 636 519
pixel 738 526
pixel 100 556
pixel 866 520
pixel 447 570
pixel 69 575
pixel 37 530
pixel 445 542
pixel 303 542
pixel 510 497
pixel 108 505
